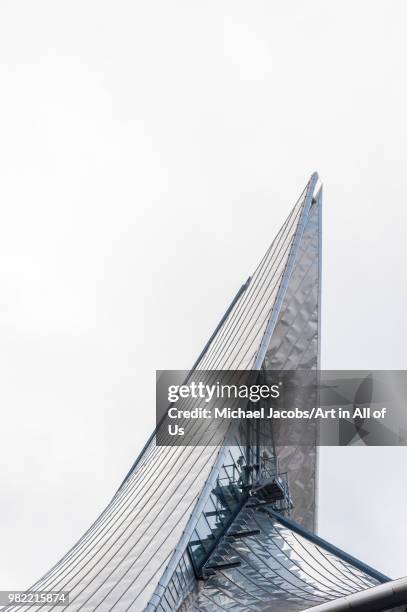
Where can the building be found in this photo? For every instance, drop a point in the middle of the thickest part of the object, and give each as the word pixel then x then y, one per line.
pixel 210 528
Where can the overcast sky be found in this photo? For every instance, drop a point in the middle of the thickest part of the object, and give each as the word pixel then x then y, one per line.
pixel 149 152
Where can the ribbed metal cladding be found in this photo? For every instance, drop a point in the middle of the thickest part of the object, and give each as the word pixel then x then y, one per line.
pixel 279 570
pixel 135 556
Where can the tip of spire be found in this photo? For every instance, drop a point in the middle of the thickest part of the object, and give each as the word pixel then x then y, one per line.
pixel 315 183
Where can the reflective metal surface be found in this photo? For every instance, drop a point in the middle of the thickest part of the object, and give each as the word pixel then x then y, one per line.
pixel 170 518
pixel 279 570
pixel 295 345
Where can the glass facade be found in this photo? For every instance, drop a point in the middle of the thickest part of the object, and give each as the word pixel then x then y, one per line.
pixel 278 565
pixel 183 532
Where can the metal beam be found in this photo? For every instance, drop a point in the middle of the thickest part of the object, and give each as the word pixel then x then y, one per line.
pixel 378 598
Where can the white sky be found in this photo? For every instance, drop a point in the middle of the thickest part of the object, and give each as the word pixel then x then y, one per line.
pixel 149 152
